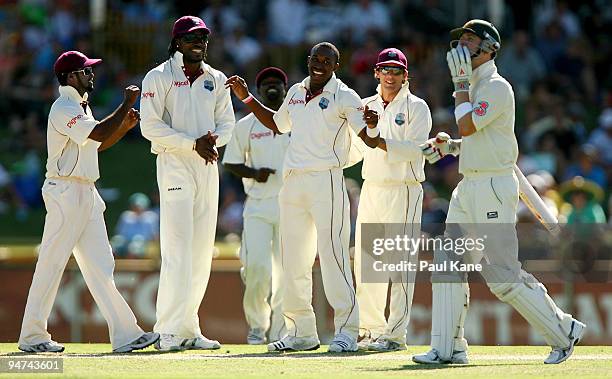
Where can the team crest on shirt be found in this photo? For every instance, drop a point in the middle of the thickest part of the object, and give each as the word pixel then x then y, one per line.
pixel 481 108
pixel 324 103
pixel 208 84
pixel 400 119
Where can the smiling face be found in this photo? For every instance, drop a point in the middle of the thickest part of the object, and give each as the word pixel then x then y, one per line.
pixel 193 46
pixel 322 63
pixel 272 91
pixel 391 78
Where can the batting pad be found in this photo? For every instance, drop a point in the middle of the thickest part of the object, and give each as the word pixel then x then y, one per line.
pixel 530 299
pixel 450 303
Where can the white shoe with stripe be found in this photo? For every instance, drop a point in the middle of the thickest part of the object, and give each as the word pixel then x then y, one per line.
pixel 44 347
pixel 290 343
pixel 141 342
pixel 343 344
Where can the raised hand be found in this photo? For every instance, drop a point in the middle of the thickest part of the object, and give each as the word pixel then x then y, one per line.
pixel 370 117
pixel 460 65
pixel 238 86
pixel 131 119
pixel 130 95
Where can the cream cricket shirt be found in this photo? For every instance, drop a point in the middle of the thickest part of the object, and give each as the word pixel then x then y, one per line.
pixel 493 148
pixel 70 152
pixel 404 124
pixel 256 146
pixel 320 138
pixel 175 113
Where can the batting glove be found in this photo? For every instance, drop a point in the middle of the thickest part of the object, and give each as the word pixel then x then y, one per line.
pixel 440 146
pixel 460 65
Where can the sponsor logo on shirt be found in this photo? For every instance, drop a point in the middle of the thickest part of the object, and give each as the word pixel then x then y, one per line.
pixel 481 108
pixel 174 189
pixel 400 119
pixel 491 215
pixel 181 84
pixel 324 103
pixel 208 84
pixel 296 101
pixel 147 95
pixel 260 135
pixel 73 121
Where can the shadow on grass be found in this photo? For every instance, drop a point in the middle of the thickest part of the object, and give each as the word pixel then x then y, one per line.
pixel 427 367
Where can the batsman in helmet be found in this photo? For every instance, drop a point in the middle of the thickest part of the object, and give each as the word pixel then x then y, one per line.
pixel 486 199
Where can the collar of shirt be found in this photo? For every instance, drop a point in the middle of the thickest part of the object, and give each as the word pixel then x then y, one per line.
pixel 331 86
pixel 71 93
pixel 403 93
pixel 177 60
pixel 484 70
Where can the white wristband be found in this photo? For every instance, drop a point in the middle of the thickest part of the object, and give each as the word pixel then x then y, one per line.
pixel 461 110
pixel 248 99
pixel 372 132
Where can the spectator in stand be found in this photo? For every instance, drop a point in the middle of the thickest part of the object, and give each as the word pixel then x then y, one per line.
pixel 367 17
pixel 601 138
pixel 521 64
pixel 287 21
pixel 221 17
pixel 586 166
pixel 583 197
pixel 243 50
pixel 137 227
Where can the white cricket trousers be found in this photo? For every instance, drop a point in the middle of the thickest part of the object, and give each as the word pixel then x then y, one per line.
pixel 397 204
pixel 314 216
pixel 262 270
pixel 188 193
pixel 75 224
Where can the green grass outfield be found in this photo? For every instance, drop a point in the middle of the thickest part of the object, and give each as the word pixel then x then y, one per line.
pixel 243 361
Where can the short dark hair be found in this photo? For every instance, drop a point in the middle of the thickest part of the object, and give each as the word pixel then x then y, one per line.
pixel 62 78
pixel 330 46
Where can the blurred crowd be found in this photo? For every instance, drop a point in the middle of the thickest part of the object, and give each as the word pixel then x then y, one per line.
pixel 556 54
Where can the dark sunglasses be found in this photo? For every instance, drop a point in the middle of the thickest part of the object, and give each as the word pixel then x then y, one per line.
pixel 395 71
pixel 193 37
pixel 87 71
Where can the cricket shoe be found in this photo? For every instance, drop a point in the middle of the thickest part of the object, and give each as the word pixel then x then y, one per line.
pixel 291 343
pixel 432 358
pixel 169 342
pixel 383 345
pixel 364 341
pixel 200 343
pixel 256 336
pixel 45 347
pixel 558 355
pixel 343 344
pixel 146 340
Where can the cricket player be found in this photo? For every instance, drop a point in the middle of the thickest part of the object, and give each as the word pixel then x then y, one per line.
pixel 186 114
pixel 488 194
pixel 256 154
pixel 314 207
pixel 391 193
pixel 75 211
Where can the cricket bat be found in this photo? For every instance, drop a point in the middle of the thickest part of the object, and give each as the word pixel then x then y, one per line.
pixel 536 205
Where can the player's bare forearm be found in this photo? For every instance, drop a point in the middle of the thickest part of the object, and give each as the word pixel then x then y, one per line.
pixel 264 115
pixel 111 123
pixel 241 170
pixel 465 125
pixel 131 119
